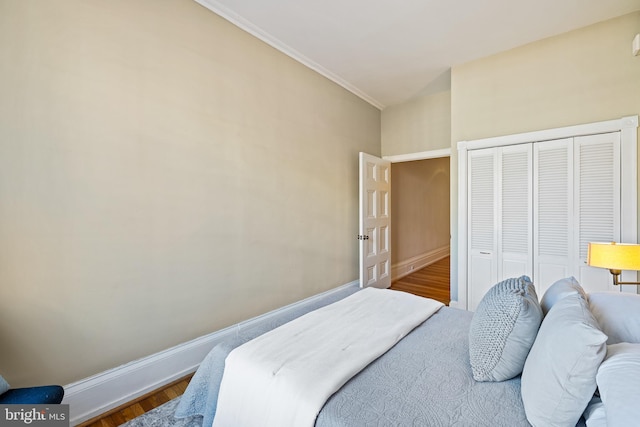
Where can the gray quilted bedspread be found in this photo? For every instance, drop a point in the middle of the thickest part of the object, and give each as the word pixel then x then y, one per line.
pixel 425 380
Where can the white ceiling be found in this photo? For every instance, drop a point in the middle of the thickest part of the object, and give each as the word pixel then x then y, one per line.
pixel 387 51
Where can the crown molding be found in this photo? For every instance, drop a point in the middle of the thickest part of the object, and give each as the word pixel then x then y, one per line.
pixel 248 26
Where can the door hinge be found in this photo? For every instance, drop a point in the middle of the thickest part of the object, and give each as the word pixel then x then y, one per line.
pixel 361 237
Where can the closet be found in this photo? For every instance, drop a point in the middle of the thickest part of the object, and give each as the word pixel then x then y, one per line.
pixel 533 201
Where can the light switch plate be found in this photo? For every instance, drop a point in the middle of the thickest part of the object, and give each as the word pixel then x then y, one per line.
pixel 636 45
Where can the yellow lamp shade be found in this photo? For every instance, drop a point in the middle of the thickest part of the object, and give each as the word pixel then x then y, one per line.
pixel 614 256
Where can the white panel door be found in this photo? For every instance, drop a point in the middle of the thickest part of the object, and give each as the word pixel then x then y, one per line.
pixel 597 203
pixel 482 208
pixel 515 211
pixel 553 231
pixel 375 221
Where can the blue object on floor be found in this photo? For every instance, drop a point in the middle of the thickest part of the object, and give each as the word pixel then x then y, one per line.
pixel 47 394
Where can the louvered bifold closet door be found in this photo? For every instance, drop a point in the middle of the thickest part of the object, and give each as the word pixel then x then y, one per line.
pixel 553 233
pixel 515 213
pixel 597 203
pixel 482 261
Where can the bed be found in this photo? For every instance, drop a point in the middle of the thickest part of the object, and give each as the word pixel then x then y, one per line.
pixel 426 379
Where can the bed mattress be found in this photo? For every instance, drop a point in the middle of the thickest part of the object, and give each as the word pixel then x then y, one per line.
pixel 424 380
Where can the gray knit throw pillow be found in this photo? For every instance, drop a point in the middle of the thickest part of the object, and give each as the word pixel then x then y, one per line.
pixel 503 330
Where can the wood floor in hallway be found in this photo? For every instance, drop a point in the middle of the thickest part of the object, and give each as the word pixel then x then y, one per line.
pixel 432 281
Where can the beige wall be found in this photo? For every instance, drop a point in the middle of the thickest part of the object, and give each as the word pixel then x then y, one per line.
pixel 163 174
pixel 420 207
pixel 579 77
pixel 421 124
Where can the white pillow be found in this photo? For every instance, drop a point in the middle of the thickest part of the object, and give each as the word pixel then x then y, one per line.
pixel 619 384
pixel 618 314
pixel 595 414
pixel 559 375
pixel 559 290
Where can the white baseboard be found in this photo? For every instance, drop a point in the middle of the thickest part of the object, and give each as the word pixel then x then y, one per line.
pixel 100 393
pixel 411 265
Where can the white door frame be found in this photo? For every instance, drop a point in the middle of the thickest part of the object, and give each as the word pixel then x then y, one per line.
pixel 422 155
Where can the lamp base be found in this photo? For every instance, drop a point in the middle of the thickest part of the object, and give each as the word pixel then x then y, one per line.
pixel 616 275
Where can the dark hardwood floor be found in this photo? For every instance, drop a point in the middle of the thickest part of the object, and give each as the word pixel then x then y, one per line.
pixel 431 281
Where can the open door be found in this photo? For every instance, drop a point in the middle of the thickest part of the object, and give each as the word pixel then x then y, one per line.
pixel 375 222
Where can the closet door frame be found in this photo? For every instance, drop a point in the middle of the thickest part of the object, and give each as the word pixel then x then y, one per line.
pixel 628 128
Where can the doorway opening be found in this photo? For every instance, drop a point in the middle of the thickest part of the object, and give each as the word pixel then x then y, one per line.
pixel 420 227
